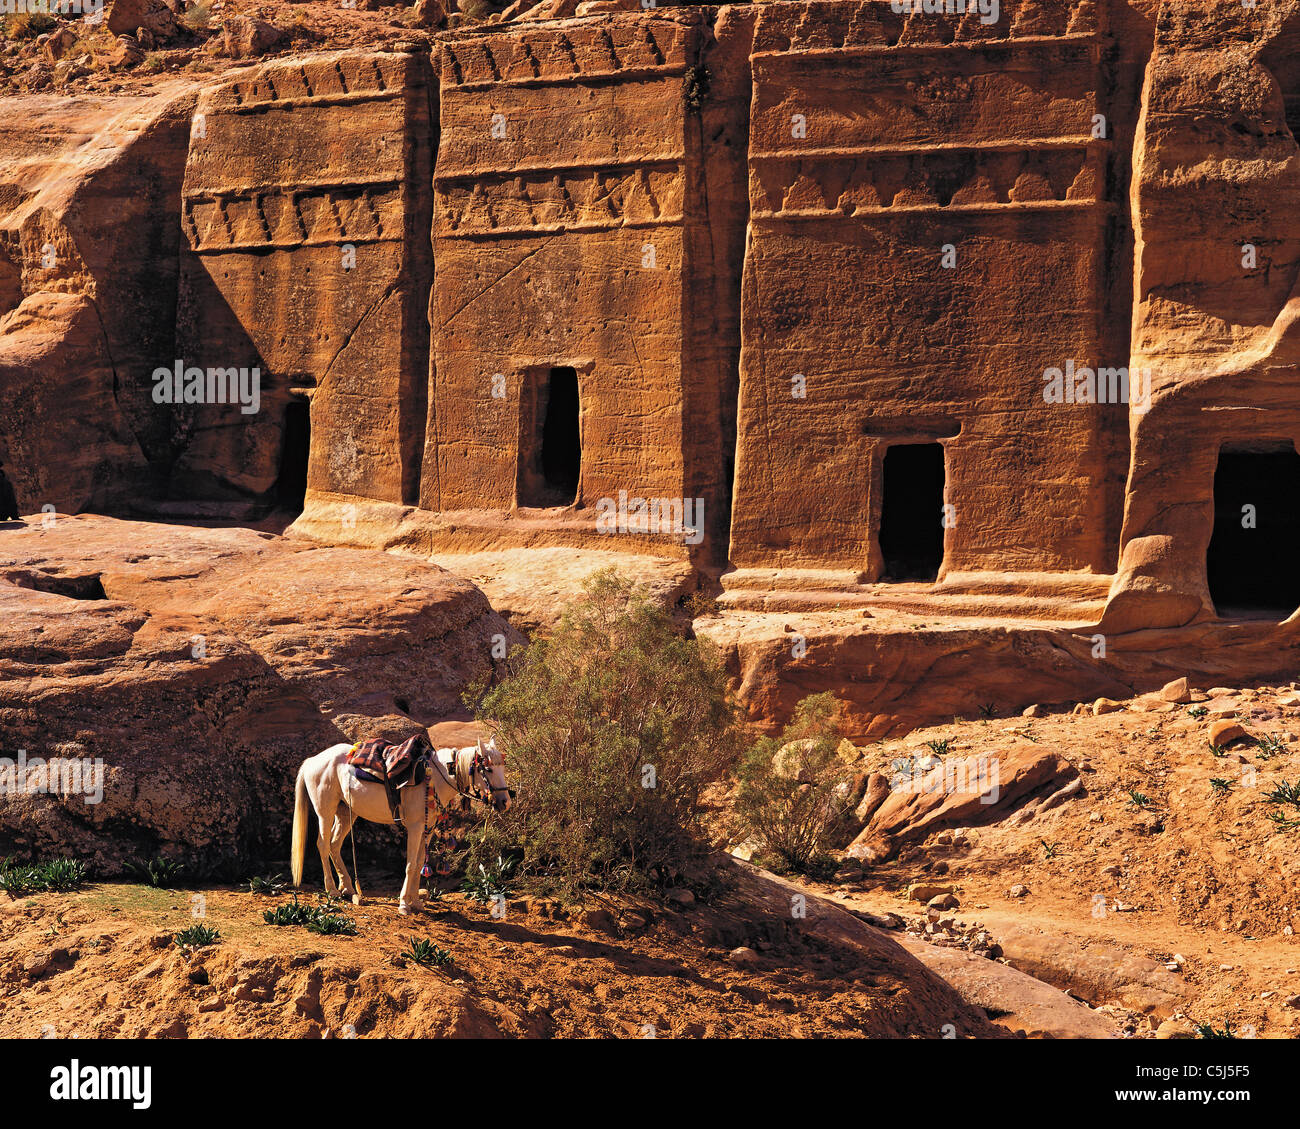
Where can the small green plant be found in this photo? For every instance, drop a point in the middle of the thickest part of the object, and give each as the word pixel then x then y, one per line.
pixel 1217 750
pixel 1268 746
pixel 59 875
pixel 1209 1031
pixel 424 952
pixel 315 919
pixel 988 709
pixel 197 936
pixel 1220 785
pixel 160 873
pixel 1050 850
pixel 1197 712
pixel 490 881
pixel 1283 824
pixel 1137 799
pixel 268 886
pixel 939 747
pixel 1284 793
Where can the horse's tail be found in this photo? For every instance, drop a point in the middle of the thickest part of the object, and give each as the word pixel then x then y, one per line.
pixel 299 847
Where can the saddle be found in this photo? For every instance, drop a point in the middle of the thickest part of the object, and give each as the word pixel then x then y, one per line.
pixel 394 766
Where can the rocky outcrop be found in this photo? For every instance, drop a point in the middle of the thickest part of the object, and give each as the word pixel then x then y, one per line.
pixel 88 254
pixel 199 667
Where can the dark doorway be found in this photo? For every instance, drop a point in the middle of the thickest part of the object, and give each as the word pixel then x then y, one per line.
pixel 1252 564
pixel 911 516
pixel 550 439
pixel 291 488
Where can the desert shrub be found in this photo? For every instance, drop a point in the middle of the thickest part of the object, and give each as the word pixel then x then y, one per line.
pixel 28 25
pixel 611 725
pixel 794 792
pixel 197 19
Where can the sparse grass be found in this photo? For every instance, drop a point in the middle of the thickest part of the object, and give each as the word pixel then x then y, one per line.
pixel 197 936
pixel 267 886
pixel 28 25
pixel 1283 824
pixel 1137 799
pixel 198 18
pixel 1217 750
pixel 161 873
pixel 988 710
pixel 315 919
pixel 424 952
pixel 699 604
pixel 1219 785
pixel 1050 850
pixel 59 875
pixel 1197 712
pixel 1209 1031
pixel 938 747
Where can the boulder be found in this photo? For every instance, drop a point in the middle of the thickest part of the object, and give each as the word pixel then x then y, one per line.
pixel 960 791
pixel 125 17
pixel 244 37
pixel 59 43
pixel 126 54
pixel 1177 691
pixel 1225 732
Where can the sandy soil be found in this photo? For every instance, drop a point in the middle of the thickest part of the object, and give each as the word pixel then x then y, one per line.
pixel 103 962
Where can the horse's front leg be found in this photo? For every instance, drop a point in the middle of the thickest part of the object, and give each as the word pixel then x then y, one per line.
pixel 413 817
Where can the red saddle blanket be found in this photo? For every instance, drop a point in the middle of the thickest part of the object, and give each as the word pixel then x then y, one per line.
pixel 394 765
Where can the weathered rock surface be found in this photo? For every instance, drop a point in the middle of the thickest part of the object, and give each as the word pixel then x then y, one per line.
pixel 203 665
pixel 959 791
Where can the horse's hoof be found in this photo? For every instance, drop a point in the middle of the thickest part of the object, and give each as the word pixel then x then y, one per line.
pixel 356 899
pixel 408 911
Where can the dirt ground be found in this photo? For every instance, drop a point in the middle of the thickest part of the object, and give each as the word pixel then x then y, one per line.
pixel 103 962
pixel 1148 863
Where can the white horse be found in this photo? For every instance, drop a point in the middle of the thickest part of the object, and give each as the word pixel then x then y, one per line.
pixel 476 772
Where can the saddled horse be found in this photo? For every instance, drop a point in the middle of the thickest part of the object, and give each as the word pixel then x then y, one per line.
pixel 475 773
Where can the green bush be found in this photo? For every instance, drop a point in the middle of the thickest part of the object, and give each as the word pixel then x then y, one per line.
pixel 612 725
pixel 794 792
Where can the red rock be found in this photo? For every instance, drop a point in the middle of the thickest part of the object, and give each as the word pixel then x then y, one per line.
pixel 245 37
pixel 125 17
pixel 1226 732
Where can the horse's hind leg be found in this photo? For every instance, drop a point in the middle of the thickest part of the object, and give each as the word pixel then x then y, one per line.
pixel 326 805
pixel 342 828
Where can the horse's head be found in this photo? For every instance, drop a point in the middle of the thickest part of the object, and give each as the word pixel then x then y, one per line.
pixel 490 763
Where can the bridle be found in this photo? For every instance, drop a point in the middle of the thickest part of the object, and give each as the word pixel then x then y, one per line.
pixel 470 777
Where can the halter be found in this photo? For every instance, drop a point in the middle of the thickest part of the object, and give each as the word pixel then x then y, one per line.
pixel 465 769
